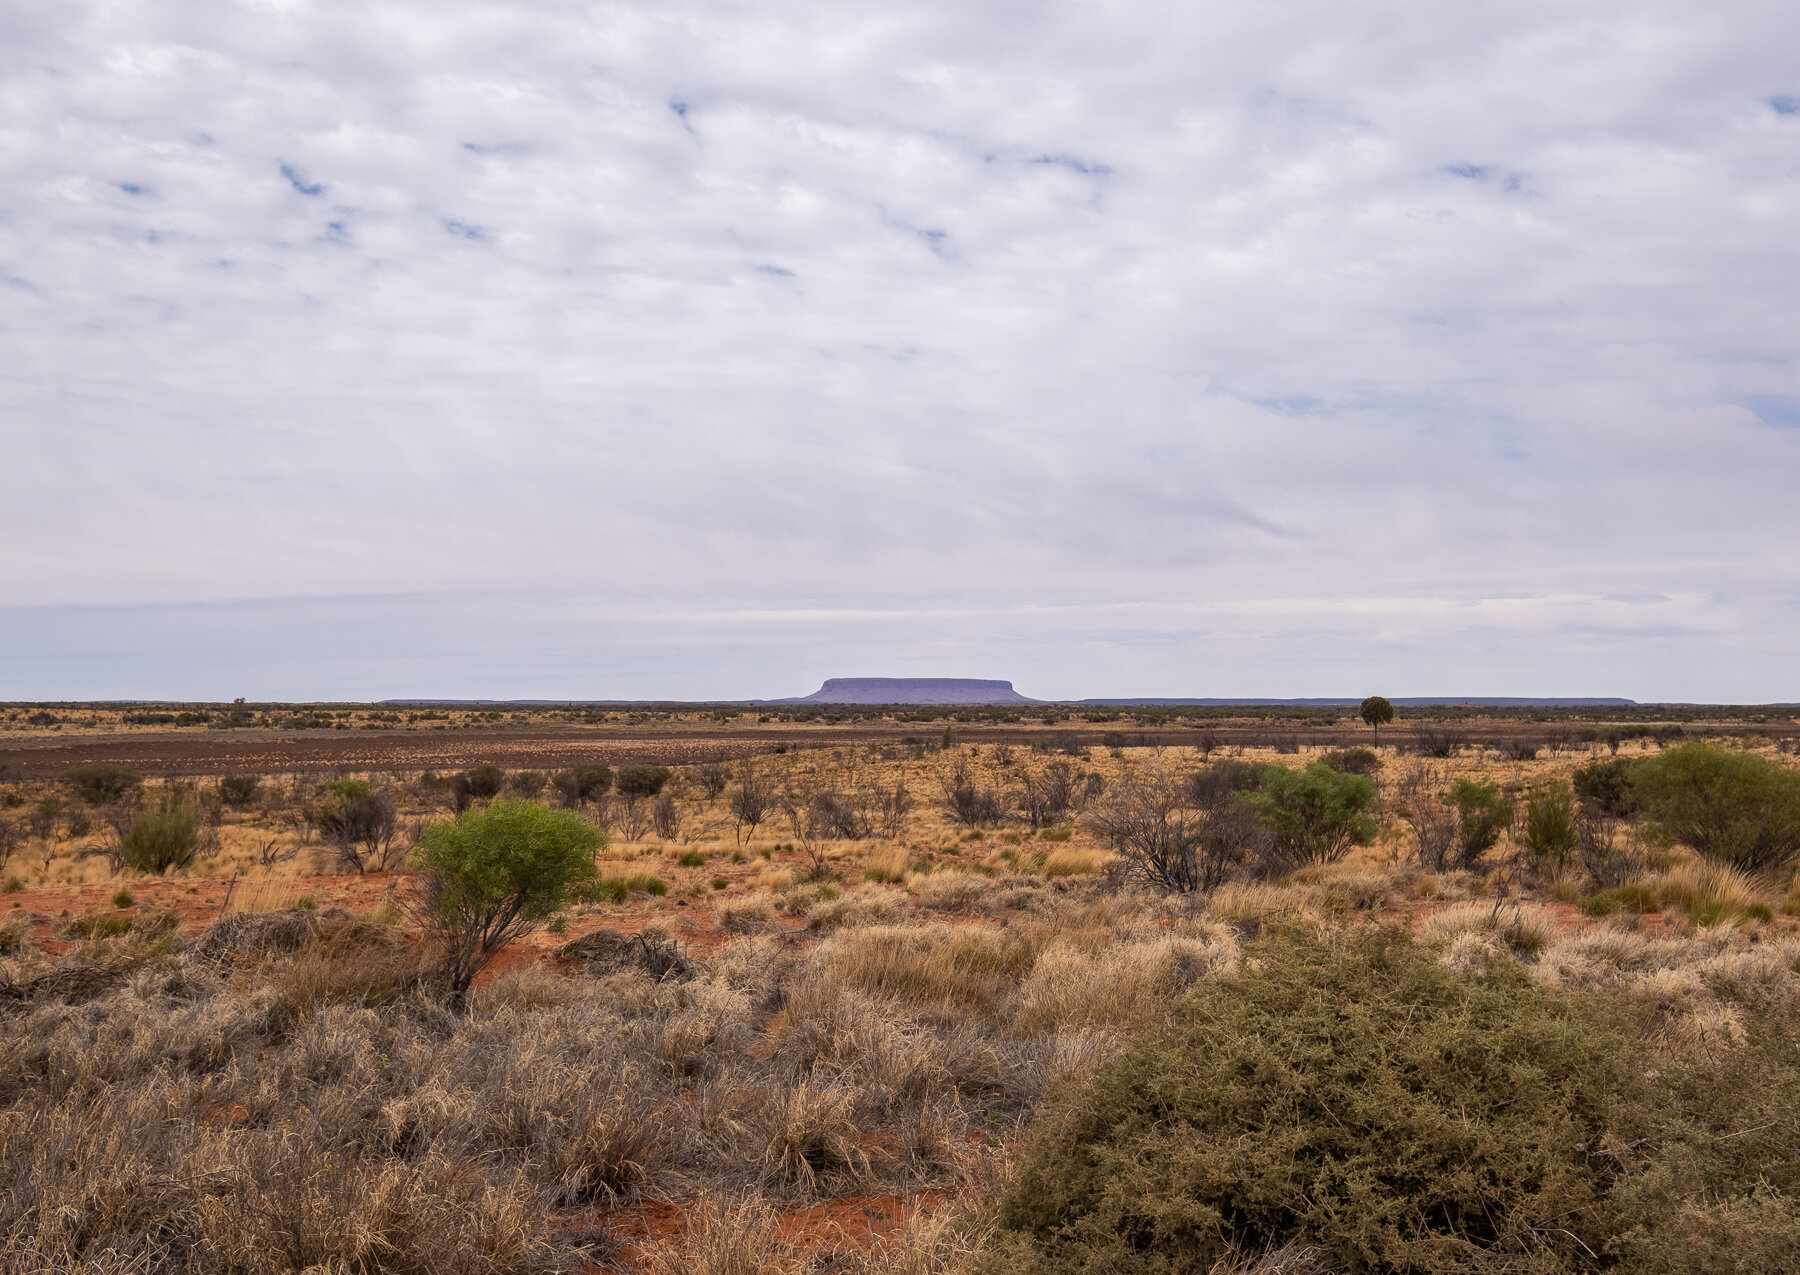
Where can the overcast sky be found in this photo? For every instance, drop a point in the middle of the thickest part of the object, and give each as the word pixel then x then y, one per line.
pixel 700 350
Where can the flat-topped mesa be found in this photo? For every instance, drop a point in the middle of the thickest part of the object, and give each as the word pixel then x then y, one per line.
pixel 915 690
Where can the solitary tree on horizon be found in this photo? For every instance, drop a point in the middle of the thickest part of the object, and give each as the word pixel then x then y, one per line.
pixel 1377 712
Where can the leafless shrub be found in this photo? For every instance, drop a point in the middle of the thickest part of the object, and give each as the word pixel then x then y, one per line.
pixel 1519 747
pixel 1433 741
pixel 1158 835
pixel 1436 827
pixel 362 826
pixel 666 818
pixel 753 800
pixel 712 778
pixel 966 800
pixel 895 804
pixel 1049 793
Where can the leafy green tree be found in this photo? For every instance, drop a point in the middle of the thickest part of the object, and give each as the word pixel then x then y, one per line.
pixel 1315 814
pixel 494 874
pixel 1729 805
pixel 1377 712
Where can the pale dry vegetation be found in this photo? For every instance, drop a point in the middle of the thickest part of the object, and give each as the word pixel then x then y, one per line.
pixel 866 992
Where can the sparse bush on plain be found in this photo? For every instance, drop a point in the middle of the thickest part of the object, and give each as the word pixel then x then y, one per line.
pixel 1736 807
pixel 1482 815
pixel 98 783
pixel 492 875
pixel 1315 815
pixel 164 837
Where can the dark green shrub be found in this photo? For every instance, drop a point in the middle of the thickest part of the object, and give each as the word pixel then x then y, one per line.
pixel 1353 761
pixel 525 783
pixel 163 838
pixel 238 791
pixel 100 782
pixel 1314 815
pixel 123 899
pixel 692 859
pixel 1217 784
pixel 479 783
pixel 1482 814
pixel 1606 786
pixel 638 779
pixel 1350 1093
pixel 1733 806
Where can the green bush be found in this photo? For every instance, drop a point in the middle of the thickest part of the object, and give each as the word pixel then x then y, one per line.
pixel 238 791
pixel 1316 814
pixel 1353 761
pixel 1482 813
pixel 638 779
pixel 1732 806
pixel 1350 1092
pixel 493 874
pixel 100 782
pixel 1551 833
pixel 1606 786
pixel 479 782
pixel 692 859
pixel 162 838
pixel 617 889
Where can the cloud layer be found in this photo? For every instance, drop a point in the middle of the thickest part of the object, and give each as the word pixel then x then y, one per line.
pixel 709 350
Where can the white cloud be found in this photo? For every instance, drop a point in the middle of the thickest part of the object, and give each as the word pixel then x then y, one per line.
pixel 1035 319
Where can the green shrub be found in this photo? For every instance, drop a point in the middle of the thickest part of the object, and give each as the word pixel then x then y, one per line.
pixel 692 859
pixel 720 883
pixel 1606 786
pixel 238 791
pixel 1551 833
pixel 1353 761
pixel 617 889
pixel 1315 814
pixel 478 782
pixel 123 899
pixel 638 779
pixel 1351 1093
pixel 93 925
pixel 493 874
pixel 1627 898
pixel 100 782
pixel 1732 806
pixel 1482 813
pixel 163 838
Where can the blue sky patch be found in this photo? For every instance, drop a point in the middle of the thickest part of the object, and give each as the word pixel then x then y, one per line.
pixel 464 229
pixel 1777 411
pixel 298 181
pixel 1785 104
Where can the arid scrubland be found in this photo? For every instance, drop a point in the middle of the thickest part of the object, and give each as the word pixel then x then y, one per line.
pixel 878 1007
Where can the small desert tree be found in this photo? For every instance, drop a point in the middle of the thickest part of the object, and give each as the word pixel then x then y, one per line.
pixel 493 874
pixel 1377 712
pixel 1315 814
